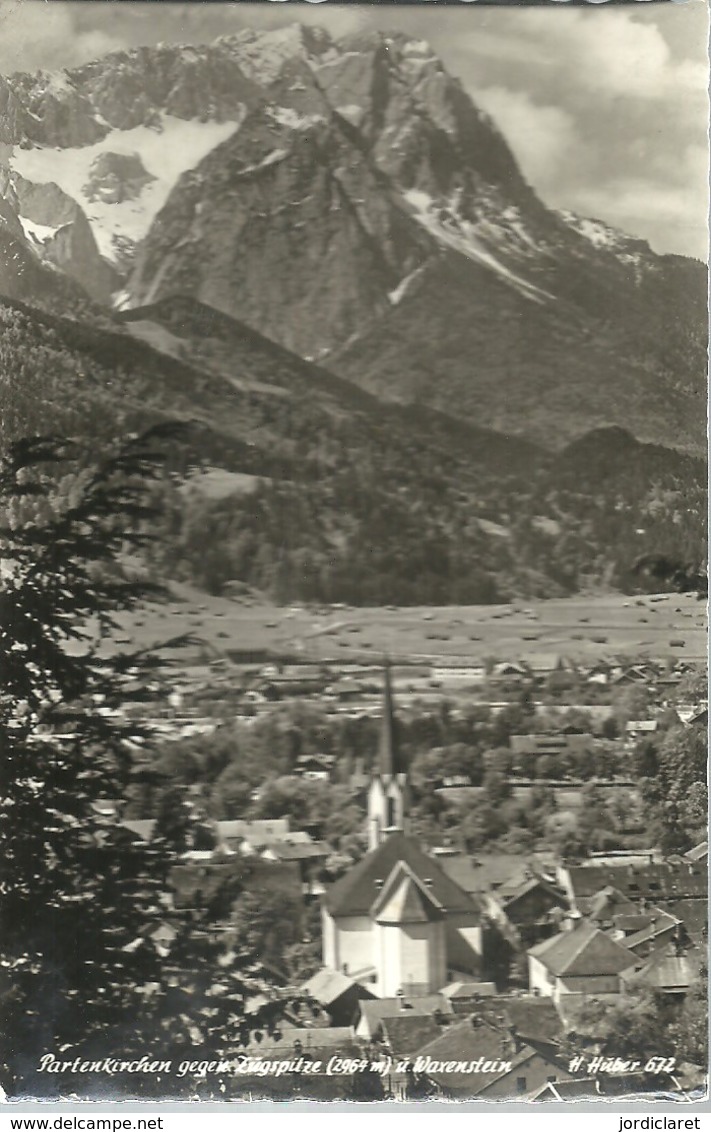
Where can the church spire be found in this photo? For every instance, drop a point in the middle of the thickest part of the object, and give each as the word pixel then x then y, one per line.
pixel 388 796
pixel 390 757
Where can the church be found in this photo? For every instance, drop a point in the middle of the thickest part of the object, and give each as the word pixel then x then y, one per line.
pixel 396 922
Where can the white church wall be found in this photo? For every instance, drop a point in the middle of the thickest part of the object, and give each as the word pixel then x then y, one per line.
pixel 354 945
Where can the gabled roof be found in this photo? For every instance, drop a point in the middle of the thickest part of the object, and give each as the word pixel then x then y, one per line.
pixel 405 900
pixel 377 1010
pixel 630 922
pixel 608 901
pixel 550 1053
pixel 285 850
pixel 327 985
pixel 468 1041
pixel 353 894
pixel 632 1086
pixel 693 915
pixel 667 972
pixel 656 881
pixel 509 893
pixel 311 1039
pixel 142 828
pixel 574 1089
pixel 257 830
pixel 658 923
pixel 483 872
pixel 406 1034
pixel 533 1017
pixel 460 990
pixel 584 951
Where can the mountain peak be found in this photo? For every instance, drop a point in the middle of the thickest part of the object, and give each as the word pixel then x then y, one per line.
pixel 261 55
pixel 347 198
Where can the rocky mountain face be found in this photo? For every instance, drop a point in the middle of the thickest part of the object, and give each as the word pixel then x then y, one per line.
pixel 28 265
pixel 56 231
pixel 347 199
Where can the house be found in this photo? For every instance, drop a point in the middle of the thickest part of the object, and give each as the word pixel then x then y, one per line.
pixel 396 922
pixel 510 670
pixel 345 690
pixel 639 674
pixel 699 852
pixel 661 928
pixel 528 1068
pixel 521 908
pixel 581 961
pixel 530 1016
pixel 661 883
pixel 337 994
pixel 302 1049
pixel 475 1058
pixel 526 1015
pixel 404 1034
pixel 108 807
pixel 484 872
pixel 372 1014
pixel 315 767
pixel 465 996
pixel 640 729
pixel 273 840
pixel 600 673
pixel 668 970
pixel 195 882
pixel 604 907
pixel 141 829
pixel 632 1086
pixel 231 835
pixel 558 744
pixel 701 719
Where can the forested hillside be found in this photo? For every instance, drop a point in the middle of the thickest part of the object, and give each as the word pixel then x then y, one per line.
pixel 316 490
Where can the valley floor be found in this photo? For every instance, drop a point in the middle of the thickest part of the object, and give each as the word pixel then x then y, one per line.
pixel 582 629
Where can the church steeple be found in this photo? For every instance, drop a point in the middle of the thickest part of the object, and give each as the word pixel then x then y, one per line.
pixel 390 759
pixel 388 796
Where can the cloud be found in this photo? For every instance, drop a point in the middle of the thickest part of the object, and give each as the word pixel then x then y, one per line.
pixel 133 23
pixel 610 53
pixel 42 36
pixel 541 137
pixel 604 108
pixel 618 55
pixel 670 216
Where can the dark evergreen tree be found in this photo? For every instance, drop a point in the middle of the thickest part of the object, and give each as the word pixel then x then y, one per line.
pixel 81 899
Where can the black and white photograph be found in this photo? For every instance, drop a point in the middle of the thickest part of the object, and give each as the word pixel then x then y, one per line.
pixel 353 542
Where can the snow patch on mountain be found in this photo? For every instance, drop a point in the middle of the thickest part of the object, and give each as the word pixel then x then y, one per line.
pixel 286 116
pixel 166 152
pixel 272 158
pixel 261 55
pixel 415 54
pixel 39 233
pixel 352 113
pixel 56 83
pixel 599 234
pixel 463 236
pixel 630 251
pixel 395 296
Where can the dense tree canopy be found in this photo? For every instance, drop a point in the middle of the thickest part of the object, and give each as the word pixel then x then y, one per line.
pixel 81 898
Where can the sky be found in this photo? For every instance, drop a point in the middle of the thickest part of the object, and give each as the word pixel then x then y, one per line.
pixel 604 107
